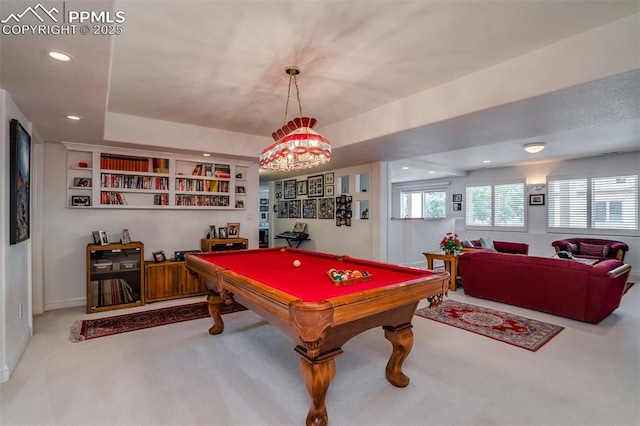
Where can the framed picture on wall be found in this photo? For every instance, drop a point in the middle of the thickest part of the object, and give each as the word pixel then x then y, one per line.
pixel 19 182
pixel 282 210
pixel 289 189
pixel 457 207
pixel 329 178
pixel 309 209
pixel 536 199
pixel 302 187
pixel 457 198
pixel 315 186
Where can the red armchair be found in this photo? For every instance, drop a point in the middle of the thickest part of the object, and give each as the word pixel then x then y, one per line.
pixel 616 249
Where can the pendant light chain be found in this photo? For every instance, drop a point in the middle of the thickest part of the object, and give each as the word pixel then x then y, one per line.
pixel 286 107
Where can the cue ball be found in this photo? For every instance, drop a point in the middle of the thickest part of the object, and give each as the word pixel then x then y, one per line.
pixel 296 263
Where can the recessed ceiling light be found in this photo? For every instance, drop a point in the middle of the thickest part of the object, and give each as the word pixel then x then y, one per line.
pixel 431 172
pixel 534 147
pixel 73 117
pixel 486 161
pixel 206 154
pixel 405 168
pixel 59 56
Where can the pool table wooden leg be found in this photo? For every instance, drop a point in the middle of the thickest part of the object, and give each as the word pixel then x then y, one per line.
pixel 214 302
pixel 402 340
pixel 317 375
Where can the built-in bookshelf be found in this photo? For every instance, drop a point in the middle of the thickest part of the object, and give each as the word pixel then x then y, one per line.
pixel 128 179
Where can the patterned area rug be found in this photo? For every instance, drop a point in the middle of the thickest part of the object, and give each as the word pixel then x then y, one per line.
pixel 100 327
pixel 509 328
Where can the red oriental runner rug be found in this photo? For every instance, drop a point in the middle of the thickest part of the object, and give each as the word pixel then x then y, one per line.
pixel 509 328
pixel 101 327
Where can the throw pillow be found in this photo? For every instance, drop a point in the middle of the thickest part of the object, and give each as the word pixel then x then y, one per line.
pixel 594 250
pixel 487 243
pixel 467 243
pixel 573 248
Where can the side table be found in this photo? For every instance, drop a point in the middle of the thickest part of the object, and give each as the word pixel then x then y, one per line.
pixel 450 265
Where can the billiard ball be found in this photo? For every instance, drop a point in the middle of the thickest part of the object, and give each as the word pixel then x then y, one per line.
pixel 296 263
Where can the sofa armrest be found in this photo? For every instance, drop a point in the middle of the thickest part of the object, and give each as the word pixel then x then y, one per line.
pixel 620 270
pixel 511 247
pixel 560 245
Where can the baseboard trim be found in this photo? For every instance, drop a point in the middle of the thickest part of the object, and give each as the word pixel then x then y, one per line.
pixel 14 358
pixel 61 304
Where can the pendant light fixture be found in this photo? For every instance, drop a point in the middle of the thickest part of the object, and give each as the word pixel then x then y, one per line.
pixel 297 146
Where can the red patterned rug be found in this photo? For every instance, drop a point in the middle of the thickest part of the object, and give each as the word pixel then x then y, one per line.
pixel 509 328
pixel 100 327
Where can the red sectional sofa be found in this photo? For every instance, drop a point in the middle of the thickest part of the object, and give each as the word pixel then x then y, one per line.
pixel 576 246
pixel 504 247
pixel 557 286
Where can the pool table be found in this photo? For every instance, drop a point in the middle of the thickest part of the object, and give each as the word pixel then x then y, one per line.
pixel 318 315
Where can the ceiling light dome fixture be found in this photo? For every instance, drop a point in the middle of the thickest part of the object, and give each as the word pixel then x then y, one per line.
pixel 534 147
pixel 297 146
pixel 59 56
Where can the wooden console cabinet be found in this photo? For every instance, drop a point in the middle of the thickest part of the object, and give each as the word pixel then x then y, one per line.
pixel 171 280
pixel 222 244
pixel 115 276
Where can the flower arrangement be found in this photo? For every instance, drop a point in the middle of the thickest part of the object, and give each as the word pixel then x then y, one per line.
pixel 451 243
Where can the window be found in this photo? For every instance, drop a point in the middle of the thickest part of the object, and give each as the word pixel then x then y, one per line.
pixel 595 204
pixel 428 204
pixel 499 206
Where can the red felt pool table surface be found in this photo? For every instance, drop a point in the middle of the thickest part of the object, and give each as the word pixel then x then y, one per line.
pixel 309 282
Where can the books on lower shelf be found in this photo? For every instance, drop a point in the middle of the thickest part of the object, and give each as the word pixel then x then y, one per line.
pixel 112 292
pixel 202 200
pixel 112 198
pixel 184 184
pixel 110 180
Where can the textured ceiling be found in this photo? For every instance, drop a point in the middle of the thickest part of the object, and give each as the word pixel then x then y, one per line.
pixel 220 64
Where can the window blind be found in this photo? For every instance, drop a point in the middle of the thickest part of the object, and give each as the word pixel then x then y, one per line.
pixel 509 205
pixel 567 203
pixel 479 212
pixel 614 202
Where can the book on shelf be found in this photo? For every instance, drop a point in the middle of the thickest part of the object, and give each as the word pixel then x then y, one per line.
pixel 160 165
pixel 222 171
pixel 197 170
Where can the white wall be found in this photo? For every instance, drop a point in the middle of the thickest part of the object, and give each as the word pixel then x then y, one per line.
pixel 68 231
pixel 15 260
pixel 537 237
pixel 356 240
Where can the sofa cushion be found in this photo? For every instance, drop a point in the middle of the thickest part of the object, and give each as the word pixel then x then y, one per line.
pixel 594 249
pixel 467 243
pixel 487 243
pixel 572 248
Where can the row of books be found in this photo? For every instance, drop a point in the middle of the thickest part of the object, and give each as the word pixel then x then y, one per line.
pixel 202 185
pixel 112 198
pixel 161 200
pixel 109 180
pixel 202 200
pixel 222 171
pixel 112 292
pixel 121 162
pixel 160 165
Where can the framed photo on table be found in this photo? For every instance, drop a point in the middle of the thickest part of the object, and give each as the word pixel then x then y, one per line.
pixel 222 232
pixel 233 230
pixel 159 256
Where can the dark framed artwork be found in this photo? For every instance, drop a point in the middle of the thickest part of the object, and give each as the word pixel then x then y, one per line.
pixel 457 198
pixel 19 183
pixel 326 208
pixel 315 186
pixel 536 199
pixel 159 256
pixel 80 200
pixel 457 207
pixel 329 178
pixel 283 210
pixel 294 209
pixel 289 189
pixel 222 232
pixel 309 209
pixel 302 187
